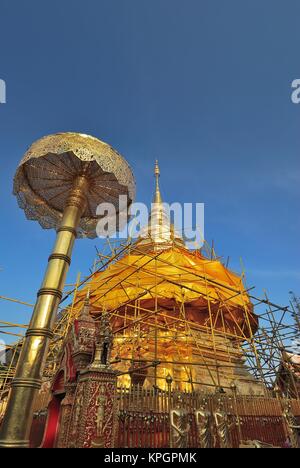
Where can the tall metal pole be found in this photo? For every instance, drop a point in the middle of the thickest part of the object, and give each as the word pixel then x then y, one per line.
pixel 17 422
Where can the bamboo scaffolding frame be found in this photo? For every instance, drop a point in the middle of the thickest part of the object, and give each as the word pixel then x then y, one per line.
pixel 261 349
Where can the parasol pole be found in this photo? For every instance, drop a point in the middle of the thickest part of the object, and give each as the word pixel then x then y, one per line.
pixel 27 381
pixel 60 182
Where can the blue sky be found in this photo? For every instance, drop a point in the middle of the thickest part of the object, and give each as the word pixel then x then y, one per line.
pixel 204 86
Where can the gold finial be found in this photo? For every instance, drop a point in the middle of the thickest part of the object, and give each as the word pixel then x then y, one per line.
pixel 156 170
pixel 157 197
pixel 85 311
pixel 169 379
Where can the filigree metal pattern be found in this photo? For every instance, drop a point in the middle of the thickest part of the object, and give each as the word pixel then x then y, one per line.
pixel 47 171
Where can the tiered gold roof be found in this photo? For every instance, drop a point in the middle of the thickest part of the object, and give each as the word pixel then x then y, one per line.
pixel 160 267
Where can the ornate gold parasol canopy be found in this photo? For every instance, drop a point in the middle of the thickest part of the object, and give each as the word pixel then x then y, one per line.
pixel 47 171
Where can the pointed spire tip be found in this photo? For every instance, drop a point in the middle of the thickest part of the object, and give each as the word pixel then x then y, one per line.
pixel 157 196
pixel 156 170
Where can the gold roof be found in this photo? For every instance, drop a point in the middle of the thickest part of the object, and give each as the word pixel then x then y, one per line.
pixel 172 274
pixel 159 265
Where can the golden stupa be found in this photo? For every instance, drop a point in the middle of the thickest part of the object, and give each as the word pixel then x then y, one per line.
pixel 160 337
pixel 176 315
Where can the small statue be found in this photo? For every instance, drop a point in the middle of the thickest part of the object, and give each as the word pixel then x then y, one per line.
pixel 79 405
pixel 105 339
pixel 101 421
pixel 292 426
pixel 100 414
pixel 180 426
pixel 223 425
pixel 77 412
pixel 204 427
